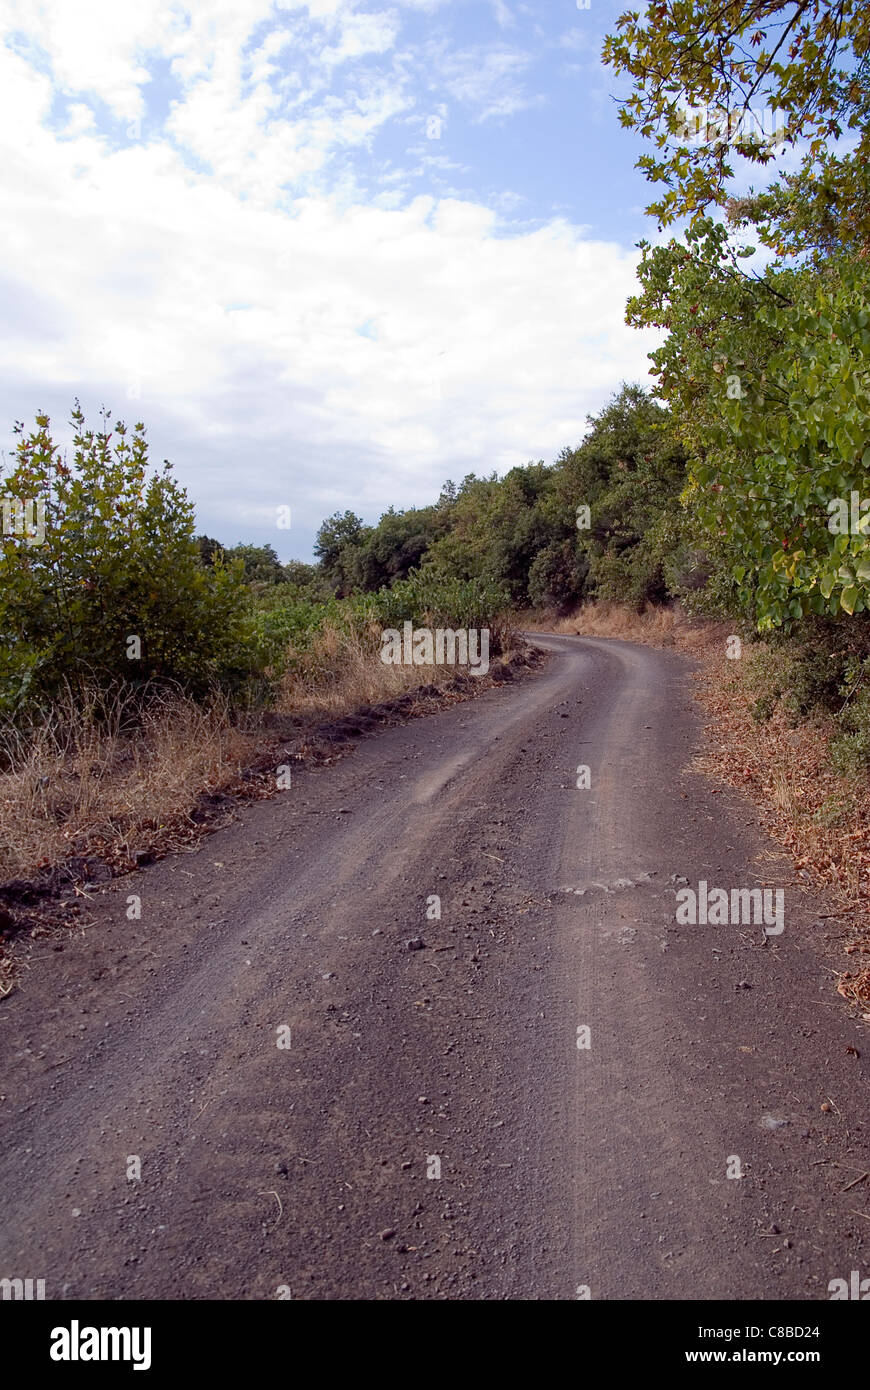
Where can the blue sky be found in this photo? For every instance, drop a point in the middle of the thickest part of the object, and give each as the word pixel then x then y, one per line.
pixel 331 253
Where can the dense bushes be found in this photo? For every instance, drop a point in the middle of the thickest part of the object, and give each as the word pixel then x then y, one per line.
pixel 114 591
pixel 288 628
pixel 525 536
pixel 766 370
pixel 826 670
pixel 436 600
pixel 557 575
pixel 119 591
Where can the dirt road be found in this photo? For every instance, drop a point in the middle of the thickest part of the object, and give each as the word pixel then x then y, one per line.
pixel 311 1169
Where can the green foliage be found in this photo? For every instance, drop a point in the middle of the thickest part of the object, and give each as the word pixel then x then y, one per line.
pixel 766 673
pixel 337 541
pixel 850 750
pixel 287 621
pixel 827 670
pixel 209 549
pixel 260 565
pixel 428 598
pixel 118 560
pixel 850 753
pixel 496 528
pixel 393 548
pixel 519 534
pixel 767 376
pixel 770 384
pixel 807 61
pixel 557 575
pixel 629 470
pixel 303 582
pixel 816 669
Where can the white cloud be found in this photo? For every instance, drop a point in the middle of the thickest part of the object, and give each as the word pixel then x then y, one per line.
pixel 312 350
pixel 96 47
pixel 503 14
pixel 486 79
pixel 362 34
pixel 582 41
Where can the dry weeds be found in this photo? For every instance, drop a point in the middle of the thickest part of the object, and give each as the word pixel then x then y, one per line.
pixel 78 780
pixel 95 795
pixel 343 672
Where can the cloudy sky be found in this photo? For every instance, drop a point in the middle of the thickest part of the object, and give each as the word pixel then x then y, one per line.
pixel 332 253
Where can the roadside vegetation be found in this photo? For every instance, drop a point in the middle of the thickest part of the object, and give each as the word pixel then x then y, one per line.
pixel 146 672
pixel 728 498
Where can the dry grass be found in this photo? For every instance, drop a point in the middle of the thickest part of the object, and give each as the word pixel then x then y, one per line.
pixel 821 816
pixel 83 797
pixel 343 672
pixel 78 783
pixel 114 787
pixel 658 627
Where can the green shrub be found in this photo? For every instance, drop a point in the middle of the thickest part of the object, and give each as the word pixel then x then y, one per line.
pixel 557 575
pixel 429 598
pixel 850 749
pixel 850 753
pixel 114 592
